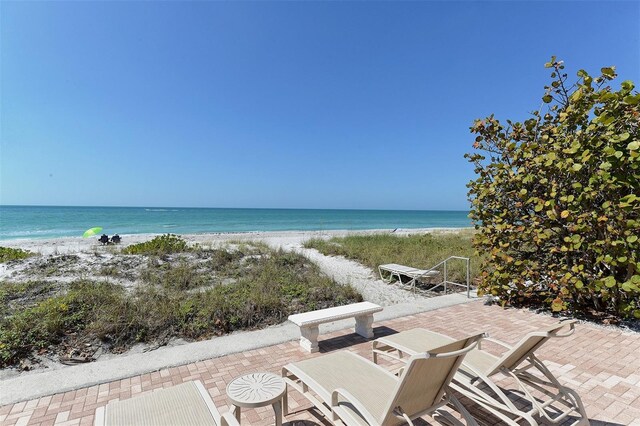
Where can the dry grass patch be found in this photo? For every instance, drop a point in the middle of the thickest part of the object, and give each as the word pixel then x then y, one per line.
pixel 419 250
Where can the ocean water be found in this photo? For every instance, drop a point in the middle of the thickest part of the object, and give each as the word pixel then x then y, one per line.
pixel 18 222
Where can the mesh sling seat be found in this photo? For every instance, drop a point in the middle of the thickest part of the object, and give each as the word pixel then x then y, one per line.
pixel 184 404
pixel 351 390
pixel 547 398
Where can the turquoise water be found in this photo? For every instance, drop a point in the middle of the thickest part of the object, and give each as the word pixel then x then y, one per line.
pixel 51 222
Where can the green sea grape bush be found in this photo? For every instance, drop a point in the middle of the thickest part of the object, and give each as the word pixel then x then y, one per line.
pixel 556 201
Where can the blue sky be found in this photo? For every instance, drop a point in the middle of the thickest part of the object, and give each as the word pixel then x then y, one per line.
pixel 277 104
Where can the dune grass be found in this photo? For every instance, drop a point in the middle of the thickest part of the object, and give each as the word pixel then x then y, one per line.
pixel 254 286
pixel 420 250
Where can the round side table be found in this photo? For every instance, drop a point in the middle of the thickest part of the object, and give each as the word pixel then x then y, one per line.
pixel 257 390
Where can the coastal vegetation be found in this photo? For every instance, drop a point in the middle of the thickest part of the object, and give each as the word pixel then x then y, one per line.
pixel 193 294
pixel 161 245
pixel 8 254
pixel 419 250
pixel 556 201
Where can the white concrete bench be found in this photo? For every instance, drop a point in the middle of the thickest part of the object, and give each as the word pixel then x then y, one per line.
pixel 393 269
pixel 309 321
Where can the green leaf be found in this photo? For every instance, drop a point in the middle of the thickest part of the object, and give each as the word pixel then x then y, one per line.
pixel 627 85
pixel 608 71
pixel 576 167
pixel 632 238
pixel 633 146
pixel 610 282
pixel 632 99
pixel 547 99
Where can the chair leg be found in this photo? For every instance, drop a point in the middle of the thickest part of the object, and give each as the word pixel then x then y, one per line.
pixel 285 400
pixel 468 418
pixel 563 395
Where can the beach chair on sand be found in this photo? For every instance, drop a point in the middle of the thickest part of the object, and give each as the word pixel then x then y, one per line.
pixel 351 390
pixel 392 270
pixel 545 396
pixel 184 404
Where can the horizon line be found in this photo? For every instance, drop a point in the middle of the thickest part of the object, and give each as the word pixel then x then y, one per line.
pixel 233 208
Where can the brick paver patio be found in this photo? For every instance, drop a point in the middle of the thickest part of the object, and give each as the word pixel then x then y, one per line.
pixel 602 364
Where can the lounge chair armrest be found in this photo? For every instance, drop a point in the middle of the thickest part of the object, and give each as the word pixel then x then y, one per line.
pixel 227 419
pixel 572 329
pixel 353 401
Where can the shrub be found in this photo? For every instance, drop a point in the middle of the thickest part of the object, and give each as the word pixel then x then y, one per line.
pixel 159 246
pixel 7 254
pixel 48 321
pixel 556 201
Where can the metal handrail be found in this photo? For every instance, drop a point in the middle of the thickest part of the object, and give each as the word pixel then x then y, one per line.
pixel 445 281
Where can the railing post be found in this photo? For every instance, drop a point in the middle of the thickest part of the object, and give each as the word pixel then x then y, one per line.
pixel 445 276
pixel 468 272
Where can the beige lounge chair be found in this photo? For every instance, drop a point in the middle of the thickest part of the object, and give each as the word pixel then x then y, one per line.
pixel 351 390
pixel 473 379
pixel 184 404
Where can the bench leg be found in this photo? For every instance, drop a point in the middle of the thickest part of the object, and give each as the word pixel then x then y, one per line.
pixel 309 338
pixel 364 325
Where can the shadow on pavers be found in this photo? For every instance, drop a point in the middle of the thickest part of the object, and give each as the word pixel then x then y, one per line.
pixel 348 340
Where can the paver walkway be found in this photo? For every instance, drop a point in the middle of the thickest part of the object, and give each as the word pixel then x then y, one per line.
pixel 603 365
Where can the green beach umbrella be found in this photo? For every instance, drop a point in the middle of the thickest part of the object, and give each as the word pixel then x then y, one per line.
pixel 91 232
